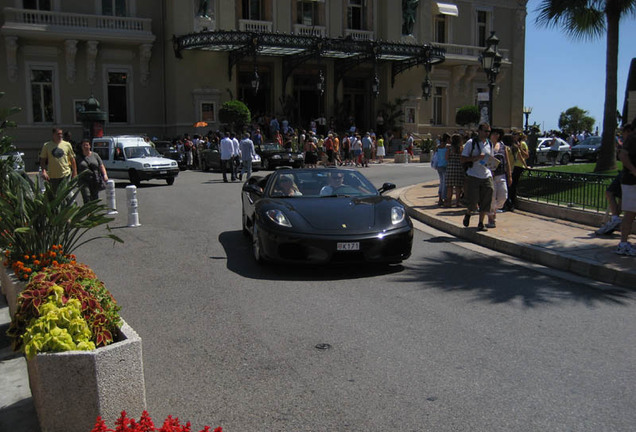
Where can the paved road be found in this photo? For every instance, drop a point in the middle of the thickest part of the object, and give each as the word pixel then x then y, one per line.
pixel 456 339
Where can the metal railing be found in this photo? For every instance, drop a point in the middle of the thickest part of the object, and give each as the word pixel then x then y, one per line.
pixel 583 191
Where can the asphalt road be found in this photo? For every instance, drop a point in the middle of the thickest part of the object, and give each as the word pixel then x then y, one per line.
pixel 455 339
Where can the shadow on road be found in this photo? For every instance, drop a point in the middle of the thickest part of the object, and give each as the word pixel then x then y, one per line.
pixel 238 249
pixel 502 282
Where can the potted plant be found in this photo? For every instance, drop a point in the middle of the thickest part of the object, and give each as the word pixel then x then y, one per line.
pixel 83 360
pixel 427 146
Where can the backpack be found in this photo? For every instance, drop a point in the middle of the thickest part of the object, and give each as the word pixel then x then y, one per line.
pixel 467 165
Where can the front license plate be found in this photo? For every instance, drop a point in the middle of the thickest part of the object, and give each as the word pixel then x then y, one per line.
pixel 163 172
pixel 349 246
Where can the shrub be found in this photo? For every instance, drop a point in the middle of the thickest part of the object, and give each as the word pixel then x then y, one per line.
pixel 235 113
pixel 467 114
pixel 98 307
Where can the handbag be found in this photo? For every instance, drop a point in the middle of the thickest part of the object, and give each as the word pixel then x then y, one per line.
pixel 434 160
pixel 98 180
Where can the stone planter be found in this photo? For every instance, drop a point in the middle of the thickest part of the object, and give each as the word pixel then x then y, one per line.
pixel 11 288
pixel 70 389
pixel 401 158
pixel 425 157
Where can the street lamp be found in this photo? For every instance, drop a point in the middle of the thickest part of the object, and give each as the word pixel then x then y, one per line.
pixel 526 112
pixel 491 62
pixel 427 86
pixel 375 86
pixel 320 86
pixel 256 80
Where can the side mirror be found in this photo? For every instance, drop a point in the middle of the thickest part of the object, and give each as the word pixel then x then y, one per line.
pixel 386 187
pixel 252 188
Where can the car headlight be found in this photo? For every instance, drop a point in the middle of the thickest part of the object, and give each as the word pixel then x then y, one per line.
pixel 397 215
pixel 278 217
pixel 146 165
pixel 173 164
pixel 276 157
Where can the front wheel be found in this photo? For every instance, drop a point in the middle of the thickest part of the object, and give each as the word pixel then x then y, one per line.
pixel 565 159
pixel 170 181
pixel 266 164
pixel 134 178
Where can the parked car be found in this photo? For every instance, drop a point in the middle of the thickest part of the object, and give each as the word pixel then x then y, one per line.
pixel 130 157
pixel 274 155
pixel 211 159
pixel 169 150
pixel 16 159
pixel 334 215
pixel 543 147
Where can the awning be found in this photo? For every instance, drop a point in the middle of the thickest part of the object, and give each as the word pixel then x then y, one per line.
pixel 447 9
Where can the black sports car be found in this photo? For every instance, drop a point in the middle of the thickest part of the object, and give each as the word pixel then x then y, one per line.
pixel 273 155
pixel 323 215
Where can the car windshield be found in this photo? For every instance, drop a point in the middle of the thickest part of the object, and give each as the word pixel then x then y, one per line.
pixel 272 147
pixel 140 152
pixel 324 183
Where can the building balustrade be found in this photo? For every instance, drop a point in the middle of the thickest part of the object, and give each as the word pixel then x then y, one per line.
pixel 27 19
pixel 453 50
pixel 255 26
pixel 359 35
pixel 307 30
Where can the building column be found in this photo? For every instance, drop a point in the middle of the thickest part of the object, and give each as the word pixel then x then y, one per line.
pixel 11 45
pixel 91 58
pixel 145 52
pixel 70 48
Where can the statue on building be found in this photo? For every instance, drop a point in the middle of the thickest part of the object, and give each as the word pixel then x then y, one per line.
pixel 409 10
pixel 203 9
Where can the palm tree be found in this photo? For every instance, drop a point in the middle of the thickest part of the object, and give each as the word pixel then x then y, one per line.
pixel 591 19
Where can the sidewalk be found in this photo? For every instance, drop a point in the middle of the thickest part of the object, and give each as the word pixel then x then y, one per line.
pixel 539 239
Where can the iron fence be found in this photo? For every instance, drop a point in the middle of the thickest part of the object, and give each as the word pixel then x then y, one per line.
pixel 584 191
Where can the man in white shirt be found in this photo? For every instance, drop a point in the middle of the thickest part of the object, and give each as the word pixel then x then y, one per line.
pixel 227 151
pixel 479 183
pixel 247 152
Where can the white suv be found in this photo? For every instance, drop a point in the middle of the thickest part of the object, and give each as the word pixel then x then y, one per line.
pixel 130 157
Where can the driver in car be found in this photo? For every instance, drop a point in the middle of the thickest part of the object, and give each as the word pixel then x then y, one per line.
pixel 335 183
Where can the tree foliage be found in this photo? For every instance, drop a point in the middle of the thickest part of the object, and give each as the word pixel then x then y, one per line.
pixel 467 114
pixel 235 114
pixel 592 19
pixel 574 120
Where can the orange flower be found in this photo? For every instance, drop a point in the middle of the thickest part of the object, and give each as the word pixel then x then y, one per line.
pixel 36 262
pixel 54 263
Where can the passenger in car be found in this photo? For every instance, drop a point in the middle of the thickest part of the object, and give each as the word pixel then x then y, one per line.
pixel 285 186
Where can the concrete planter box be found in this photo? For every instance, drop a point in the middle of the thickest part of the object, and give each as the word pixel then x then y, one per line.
pixel 70 389
pixel 11 288
pixel 425 157
pixel 401 158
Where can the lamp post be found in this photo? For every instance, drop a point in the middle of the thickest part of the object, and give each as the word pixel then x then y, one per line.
pixel 526 112
pixel 491 62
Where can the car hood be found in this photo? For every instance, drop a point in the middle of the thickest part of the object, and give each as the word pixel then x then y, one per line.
pixel 152 160
pixel 337 214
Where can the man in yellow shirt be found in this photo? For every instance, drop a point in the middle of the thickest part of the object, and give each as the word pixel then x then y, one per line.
pixel 57 160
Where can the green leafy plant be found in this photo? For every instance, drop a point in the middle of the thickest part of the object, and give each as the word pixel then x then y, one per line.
pixel 60 327
pixel 235 113
pixel 33 222
pixel 427 145
pixel 466 115
pixel 394 115
pixel 77 281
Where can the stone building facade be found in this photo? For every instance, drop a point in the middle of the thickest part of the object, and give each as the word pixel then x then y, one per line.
pixel 157 67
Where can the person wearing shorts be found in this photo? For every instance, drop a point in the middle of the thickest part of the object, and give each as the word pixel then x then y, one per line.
pixel 628 190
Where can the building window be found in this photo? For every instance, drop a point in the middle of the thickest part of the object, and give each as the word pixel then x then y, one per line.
pixel 482 27
pixel 356 15
pixel 438 105
pixel 44 5
pixel 440 28
pixel 308 12
pixel 208 110
pixel 117 97
pixel 114 7
pixel 42 96
pixel 252 10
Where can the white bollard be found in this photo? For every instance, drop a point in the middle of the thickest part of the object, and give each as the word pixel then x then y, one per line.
pixel 131 198
pixel 110 197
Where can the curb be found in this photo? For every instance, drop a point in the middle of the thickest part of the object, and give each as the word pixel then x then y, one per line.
pixel 531 253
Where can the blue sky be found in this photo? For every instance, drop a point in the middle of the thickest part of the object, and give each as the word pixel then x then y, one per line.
pixel 562 72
